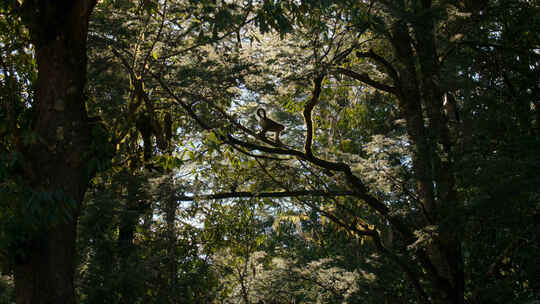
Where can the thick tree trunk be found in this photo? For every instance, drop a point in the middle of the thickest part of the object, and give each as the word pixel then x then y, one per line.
pixel 46 274
pixel 58 159
pixel 420 97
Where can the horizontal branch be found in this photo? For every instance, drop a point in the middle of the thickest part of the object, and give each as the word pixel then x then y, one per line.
pixel 245 194
pixel 361 190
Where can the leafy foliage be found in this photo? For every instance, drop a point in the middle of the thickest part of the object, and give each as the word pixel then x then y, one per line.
pixel 407 171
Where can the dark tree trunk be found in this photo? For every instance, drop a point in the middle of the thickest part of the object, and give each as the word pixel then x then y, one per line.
pixel 58 159
pixel 420 96
pixel 135 206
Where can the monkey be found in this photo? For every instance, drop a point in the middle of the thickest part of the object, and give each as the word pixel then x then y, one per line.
pixel 268 124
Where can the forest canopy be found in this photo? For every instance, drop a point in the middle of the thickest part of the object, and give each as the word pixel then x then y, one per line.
pixel 241 151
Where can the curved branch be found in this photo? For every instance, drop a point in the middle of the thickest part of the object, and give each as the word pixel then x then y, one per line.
pixel 308 108
pixel 367 80
pixel 339 58
pixel 371 54
pixel 359 189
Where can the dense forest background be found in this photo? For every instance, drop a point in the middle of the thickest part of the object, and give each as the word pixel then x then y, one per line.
pixel 134 170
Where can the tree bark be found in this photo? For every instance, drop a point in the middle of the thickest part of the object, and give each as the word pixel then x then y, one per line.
pixel 58 159
pixel 420 96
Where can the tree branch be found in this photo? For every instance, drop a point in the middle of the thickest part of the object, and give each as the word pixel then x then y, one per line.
pixel 367 80
pixel 339 58
pixel 371 54
pixel 359 189
pixel 182 104
pixel 308 108
pixel 246 194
